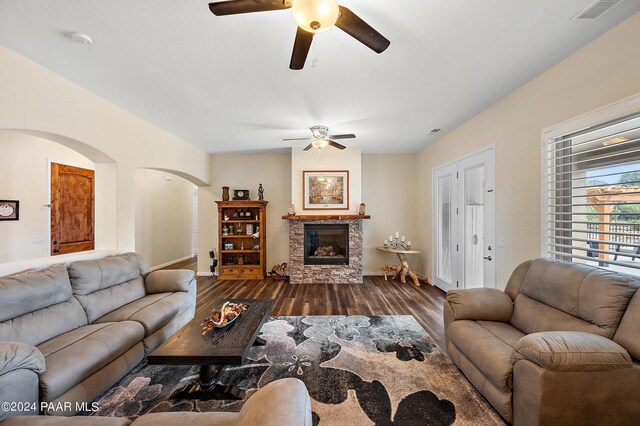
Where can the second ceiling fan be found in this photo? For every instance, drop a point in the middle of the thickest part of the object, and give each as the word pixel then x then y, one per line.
pixel 312 16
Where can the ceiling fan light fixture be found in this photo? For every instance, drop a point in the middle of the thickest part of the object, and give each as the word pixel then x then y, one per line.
pixel 315 16
pixel 320 143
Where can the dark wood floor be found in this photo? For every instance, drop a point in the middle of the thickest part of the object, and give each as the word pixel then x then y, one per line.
pixel 375 297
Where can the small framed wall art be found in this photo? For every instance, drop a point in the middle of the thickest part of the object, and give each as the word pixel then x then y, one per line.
pixel 9 210
pixel 325 190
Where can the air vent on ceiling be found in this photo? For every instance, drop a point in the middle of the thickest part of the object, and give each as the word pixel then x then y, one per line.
pixel 434 131
pixel 596 9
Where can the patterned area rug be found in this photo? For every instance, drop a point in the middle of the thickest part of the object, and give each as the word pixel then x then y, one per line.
pixel 359 370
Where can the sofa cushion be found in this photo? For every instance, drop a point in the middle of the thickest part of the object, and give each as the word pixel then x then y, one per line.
pixel 17 356
pixel 88 276
pixel 170 280
pixel 532 316
pixel 66 421
pixel 628 334
pixel 101 302
pixel 571 351
pixel 489 352
pixel 188 418
pixel 33 290
pixel 74 356
pixel 591 294
pixel 153 311
pixel 505 332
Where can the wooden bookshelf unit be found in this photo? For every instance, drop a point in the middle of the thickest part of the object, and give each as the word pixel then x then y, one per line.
pixel 242 255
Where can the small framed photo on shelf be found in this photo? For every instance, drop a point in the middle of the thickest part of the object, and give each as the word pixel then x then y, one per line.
pixel 249 229
pixel 9 210
pixel 229 246
pixel 325 190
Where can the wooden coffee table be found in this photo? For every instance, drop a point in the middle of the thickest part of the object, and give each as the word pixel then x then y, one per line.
pixel 215 350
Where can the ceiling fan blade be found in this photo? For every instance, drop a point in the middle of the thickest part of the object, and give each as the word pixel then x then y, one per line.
pixel 300 49
pixel 298 139
pixel 347 136
pixel 335 144
pixel 308 147
pixel 353 25
pixel 235 7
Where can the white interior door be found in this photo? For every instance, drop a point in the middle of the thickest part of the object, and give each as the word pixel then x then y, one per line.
pixel 445 189
pixel 471 225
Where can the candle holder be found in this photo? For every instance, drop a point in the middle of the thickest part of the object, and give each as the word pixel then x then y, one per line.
pixel 396 244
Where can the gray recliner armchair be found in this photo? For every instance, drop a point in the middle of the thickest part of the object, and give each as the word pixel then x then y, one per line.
pixel 561 344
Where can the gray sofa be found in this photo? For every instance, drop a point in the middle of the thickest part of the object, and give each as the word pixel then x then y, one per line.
pixel 68 333
pixel 283 402
pixel 561 344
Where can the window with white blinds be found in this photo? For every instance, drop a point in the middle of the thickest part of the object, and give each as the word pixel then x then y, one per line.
pixel 593 196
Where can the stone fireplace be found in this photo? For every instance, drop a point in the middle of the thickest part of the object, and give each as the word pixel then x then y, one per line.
pixel 325 249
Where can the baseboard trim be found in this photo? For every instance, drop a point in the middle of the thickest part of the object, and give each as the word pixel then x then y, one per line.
pixel 164 265
pixel 204 274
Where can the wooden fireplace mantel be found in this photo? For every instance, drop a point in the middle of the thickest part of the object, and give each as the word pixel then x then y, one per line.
pixel 327 217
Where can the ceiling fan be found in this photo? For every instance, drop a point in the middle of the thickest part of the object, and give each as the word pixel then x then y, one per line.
pixel 321 140
pixel 312 16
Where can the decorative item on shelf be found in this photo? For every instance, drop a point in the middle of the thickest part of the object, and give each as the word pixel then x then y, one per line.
pixel 9 210
pixel 239 230
pixel 240 260
pixel 234 214
pixel 362 209
pixel 225 193
pixel 256 246
pixel 229 246
pixel 291 210
pixel 240 195
pixel 225 230
pixel 230 230
pixel 393 243
pixel 226 217
pixel 257 217
pixel 279 272
pixel 214 263
pixel 257 233
pixel 260 192
pixel 249 229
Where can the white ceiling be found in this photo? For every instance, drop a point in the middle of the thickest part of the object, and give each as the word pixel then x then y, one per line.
pixel 223 83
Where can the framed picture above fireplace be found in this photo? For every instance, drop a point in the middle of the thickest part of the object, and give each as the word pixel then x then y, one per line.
pixel 325 190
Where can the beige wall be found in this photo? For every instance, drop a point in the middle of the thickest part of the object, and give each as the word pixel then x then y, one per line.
pixel 326 159
pixel 164 217
pixel 24 176
pixel 601 73
pixel 36 100
pixel 246 172
pixel 389 191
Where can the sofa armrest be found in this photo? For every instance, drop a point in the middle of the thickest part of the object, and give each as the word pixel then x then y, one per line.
pixel 165 281
pixel 16 355
pixel 480 304
pixel 571 351
pixel 284 402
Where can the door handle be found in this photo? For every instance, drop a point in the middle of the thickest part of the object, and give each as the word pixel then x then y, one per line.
pixel 487 258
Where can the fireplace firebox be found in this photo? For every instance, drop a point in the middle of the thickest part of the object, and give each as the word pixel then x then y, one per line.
pixel 326 244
